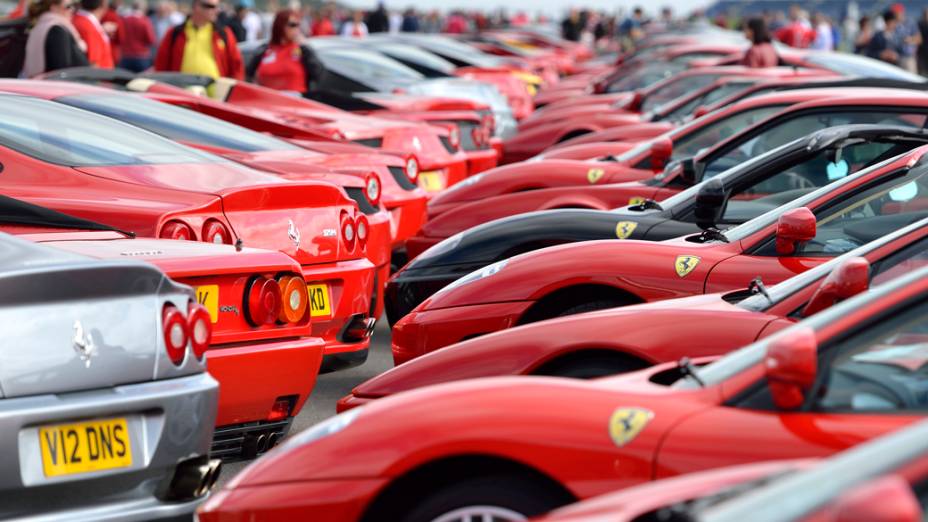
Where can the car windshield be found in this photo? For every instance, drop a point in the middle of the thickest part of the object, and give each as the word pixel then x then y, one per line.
pixel 643 77
pixel 456 50
pixel 862 66
pixel 366 65
pixel 786 128
pixel 176 123
pixel 64 135
pixel 675 88
pixel 408 53
pixel 719 92
pixel 696 137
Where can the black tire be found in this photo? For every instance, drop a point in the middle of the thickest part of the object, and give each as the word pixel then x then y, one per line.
pixel 522 494
pixel 591 366
pixel 590 306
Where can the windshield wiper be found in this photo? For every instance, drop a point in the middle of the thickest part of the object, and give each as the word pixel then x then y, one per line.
pixel 757 286
pixel 687 369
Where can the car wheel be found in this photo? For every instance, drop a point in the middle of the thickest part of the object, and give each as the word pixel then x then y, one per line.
pixel 499 498
pixel 591 366
pixel 591 306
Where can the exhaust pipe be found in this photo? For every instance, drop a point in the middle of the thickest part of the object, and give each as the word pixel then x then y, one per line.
pixel 272 440
pixel 358 328
pixel 262 443
pixel 193 478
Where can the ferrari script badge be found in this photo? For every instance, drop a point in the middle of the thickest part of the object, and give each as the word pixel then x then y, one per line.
pixel 626 423
pixel 623 229
pixel 685 264
pixel 83 344
pixel 293 233
pixel 594 175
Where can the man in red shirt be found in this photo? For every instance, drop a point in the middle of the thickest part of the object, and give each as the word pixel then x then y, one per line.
pixel 139 36
pixel 87 22
pixel 798 32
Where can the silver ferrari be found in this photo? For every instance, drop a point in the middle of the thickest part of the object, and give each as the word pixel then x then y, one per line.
pixel 106 411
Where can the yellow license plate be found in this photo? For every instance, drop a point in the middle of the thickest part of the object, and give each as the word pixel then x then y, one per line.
pixel 208 296
pixel 85 446
pixel 319 302
pixel 431 181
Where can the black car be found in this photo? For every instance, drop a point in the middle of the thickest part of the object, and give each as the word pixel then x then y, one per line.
pixel 718 201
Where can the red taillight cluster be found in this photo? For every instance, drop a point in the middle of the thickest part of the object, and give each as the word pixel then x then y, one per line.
pixel 412 169
pixel 454 136
pixel 213 231
pixel 355 231
pixel 196 329
pixel 372 189
pixel 280 300
pixel 483 133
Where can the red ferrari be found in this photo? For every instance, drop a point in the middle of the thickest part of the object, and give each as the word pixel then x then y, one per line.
pixel 100 169
pixel 580 277
pixel 517 447
pixel 266 372
pixel 629 338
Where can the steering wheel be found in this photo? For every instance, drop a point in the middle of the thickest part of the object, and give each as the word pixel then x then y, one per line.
pixel 864 383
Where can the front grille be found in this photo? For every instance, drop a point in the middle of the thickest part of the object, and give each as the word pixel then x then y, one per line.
pixel 240 440
pixel 364 204
pixel 399 174
pixel 371 142
pixel 446 142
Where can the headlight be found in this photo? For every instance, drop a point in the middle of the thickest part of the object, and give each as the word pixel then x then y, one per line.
pixel 486 271
pixel 325 428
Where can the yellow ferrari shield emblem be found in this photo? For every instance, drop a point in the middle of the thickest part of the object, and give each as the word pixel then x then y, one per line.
pixel 594 175
pixel 637 200
pixel 685 264
pixel 623 229
pixel 626 423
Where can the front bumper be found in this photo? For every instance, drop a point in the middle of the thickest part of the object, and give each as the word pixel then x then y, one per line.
pixel 173 420
pixel 350 401
pixel 253 377
pixel 421 332
pixel 317 500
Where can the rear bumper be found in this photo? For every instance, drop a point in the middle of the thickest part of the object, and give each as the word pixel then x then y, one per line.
pixel 317 500
pixel 407 215
pixel 252 377
pixel 334 362
pixel 451 172
pixel 169 421
pixel 419 333
pixel 481 160
pixel 351 285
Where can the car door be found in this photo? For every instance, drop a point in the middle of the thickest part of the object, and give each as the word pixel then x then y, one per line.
pixel 869 382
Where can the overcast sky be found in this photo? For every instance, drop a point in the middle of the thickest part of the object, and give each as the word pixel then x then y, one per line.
pixel 550 7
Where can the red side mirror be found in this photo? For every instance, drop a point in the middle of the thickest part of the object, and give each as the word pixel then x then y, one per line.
pixel 794 226
pixel 791 364
pixel 661 151
pixel 886 499
pixel 700 112
pixel 634 105
pixel 847 280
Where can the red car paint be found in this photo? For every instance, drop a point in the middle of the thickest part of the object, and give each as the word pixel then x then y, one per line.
pixel 302 220
pixel 546 283
pixel 254 366
pixel 567 438
pixel 629 337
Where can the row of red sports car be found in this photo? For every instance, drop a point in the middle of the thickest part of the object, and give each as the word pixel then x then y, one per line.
pixel 744 246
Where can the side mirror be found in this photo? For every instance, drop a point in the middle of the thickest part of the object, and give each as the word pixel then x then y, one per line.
pixel 710 203
pixel 885 499
pixel 661 151
pixel 794 227
pixel 847 280
pixel 700 111
pixel 791 364
pixel 688 171
pixel 634 105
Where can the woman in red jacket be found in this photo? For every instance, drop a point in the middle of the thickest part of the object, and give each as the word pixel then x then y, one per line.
pixel 284 64
pixel 761 53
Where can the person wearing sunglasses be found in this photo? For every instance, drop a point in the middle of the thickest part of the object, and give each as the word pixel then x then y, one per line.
pixel 53 41
pixel 201 45
pixel 284 63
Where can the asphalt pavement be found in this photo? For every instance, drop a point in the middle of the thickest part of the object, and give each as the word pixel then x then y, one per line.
pixel 331 387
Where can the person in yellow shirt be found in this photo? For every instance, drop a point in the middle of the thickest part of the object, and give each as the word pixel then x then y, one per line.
pixel 201 45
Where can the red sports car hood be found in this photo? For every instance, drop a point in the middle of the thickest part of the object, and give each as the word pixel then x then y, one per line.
pixel 639 267
pixel 298 165
pixel 517 351
pixel 260 207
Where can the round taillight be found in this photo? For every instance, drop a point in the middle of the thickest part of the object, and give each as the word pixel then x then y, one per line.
pixel 200 328
pixel 177 230
pixel 215 232
pixel 372 189
pixel 362 230
pixel 412 169
pixel 476 135
pixel 295 299
pixel 348 235
pixel 262 301
pixel 175 333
